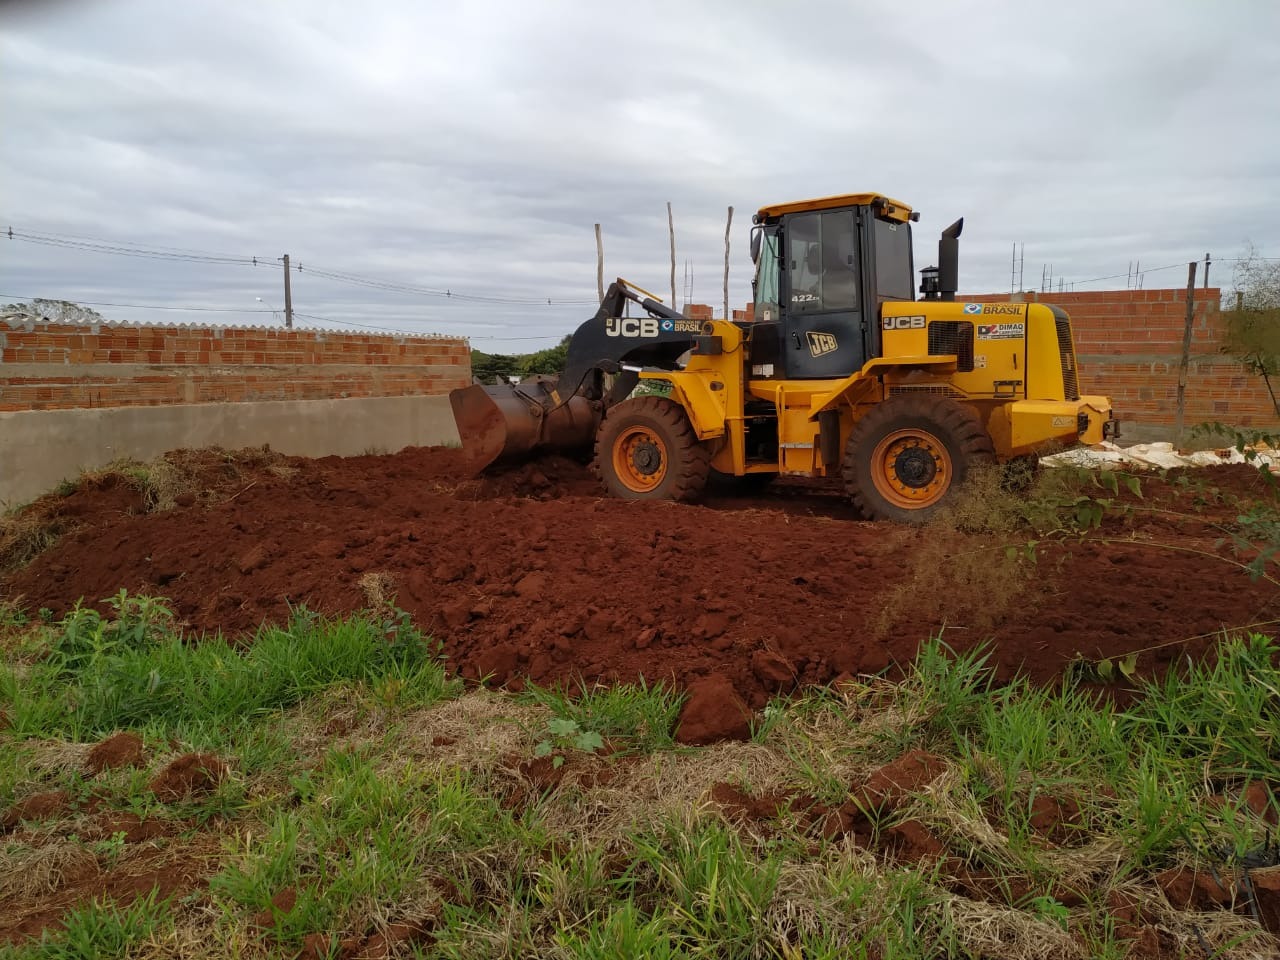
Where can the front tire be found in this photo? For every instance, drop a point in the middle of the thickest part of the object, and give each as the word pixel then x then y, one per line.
pixel 909 454
pixel 646 450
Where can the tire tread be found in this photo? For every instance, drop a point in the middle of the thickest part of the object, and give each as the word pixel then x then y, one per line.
pixel 689 458
pixel 960 421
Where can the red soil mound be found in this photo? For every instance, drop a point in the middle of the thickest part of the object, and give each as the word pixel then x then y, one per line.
pixel 120 750
pixel 188 775
pixel 531 573
pixel 38 806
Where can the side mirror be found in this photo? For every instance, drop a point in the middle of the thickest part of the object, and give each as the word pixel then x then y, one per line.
pixel 757 235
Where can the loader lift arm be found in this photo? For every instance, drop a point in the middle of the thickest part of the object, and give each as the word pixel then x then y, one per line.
pixel 599 347
pixel 503 422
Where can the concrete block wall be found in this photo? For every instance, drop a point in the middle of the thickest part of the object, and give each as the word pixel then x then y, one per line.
pixel 75 397
pixel 48 366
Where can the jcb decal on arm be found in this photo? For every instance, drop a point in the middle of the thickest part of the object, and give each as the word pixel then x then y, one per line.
pixel 631 326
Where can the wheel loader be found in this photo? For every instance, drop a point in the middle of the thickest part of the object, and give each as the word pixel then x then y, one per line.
pixel 841 372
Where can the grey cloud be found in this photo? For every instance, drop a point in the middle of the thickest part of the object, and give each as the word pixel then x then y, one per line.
pixel 472 146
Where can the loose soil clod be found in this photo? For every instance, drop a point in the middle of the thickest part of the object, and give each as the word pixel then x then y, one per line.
pixel 713 712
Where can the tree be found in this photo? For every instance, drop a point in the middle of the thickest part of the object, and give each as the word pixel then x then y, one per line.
pixel 1253 327
pixel 488 367
pixel 549 361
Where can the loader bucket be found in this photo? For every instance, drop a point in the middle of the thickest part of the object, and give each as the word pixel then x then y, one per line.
pixel 505 424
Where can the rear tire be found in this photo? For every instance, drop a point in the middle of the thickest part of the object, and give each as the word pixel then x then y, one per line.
pixel 646 450
pixel 908 455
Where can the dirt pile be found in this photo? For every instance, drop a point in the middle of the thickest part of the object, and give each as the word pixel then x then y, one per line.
pixel 119 750
pixel 530 573
pixel 189 775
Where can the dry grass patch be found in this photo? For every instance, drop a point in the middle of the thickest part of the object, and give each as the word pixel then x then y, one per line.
pixel 34 871
pixel 379 589
pixel 27 534
pixel 989 930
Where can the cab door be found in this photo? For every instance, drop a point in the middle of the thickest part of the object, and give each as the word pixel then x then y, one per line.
pixel 823 333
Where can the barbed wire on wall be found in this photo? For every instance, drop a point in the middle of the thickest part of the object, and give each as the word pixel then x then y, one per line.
pixel 13 297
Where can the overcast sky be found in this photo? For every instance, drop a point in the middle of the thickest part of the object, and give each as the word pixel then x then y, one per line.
pixel 471 146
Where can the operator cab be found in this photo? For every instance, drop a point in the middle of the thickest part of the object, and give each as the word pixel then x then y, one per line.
pixel 822 268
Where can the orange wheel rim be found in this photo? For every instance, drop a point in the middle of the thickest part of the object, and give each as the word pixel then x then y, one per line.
pixel 639 459
pixel 911 469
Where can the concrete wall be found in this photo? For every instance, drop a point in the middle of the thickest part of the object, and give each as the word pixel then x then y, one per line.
pixel 40 448
pixel 77 396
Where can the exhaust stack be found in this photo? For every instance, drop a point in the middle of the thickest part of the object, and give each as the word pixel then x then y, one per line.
pixel 949 261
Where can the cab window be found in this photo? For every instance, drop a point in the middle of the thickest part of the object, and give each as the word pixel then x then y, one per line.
pixel 894 279
pixel 822 262
pixel 768 277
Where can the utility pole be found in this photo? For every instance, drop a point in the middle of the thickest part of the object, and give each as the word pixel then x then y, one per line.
pixel 288 296
pixel 1206 271
pixel 1186 351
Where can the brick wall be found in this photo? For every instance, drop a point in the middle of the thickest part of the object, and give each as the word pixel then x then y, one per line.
pixel 61 366
pixel 1129 346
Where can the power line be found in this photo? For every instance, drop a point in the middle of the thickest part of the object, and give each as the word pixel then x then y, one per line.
pixel 550 336
pixel 1117 276
pixel 187 255
pixel 446 293
pixel 352 323
pixel 367 326
pixel 129 243
pixel 121 250
pixel 135 306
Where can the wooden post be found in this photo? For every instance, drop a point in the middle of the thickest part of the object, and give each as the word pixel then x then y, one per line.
pixel 599 265
pixel 1186 352
pixel 671 230
pixel 727 225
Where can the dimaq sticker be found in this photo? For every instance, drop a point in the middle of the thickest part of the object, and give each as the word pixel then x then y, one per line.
pixel 999 331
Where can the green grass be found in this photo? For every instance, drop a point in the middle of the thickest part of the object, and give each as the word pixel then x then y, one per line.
pixel 643 716
pixel 382 818
pixel 350 839
pixel 1147 774
pixel 100 930
pixel 133 672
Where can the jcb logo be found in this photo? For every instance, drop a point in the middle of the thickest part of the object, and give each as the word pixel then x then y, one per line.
pixel 820 344
pixel 631 326
pixel 904 323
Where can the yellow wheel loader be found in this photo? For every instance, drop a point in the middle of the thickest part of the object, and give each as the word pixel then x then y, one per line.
pixel 841 372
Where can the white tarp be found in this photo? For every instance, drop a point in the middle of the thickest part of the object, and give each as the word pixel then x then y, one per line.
pixel 1159 456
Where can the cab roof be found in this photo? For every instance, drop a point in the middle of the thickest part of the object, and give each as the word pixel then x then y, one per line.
pixel 890 209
